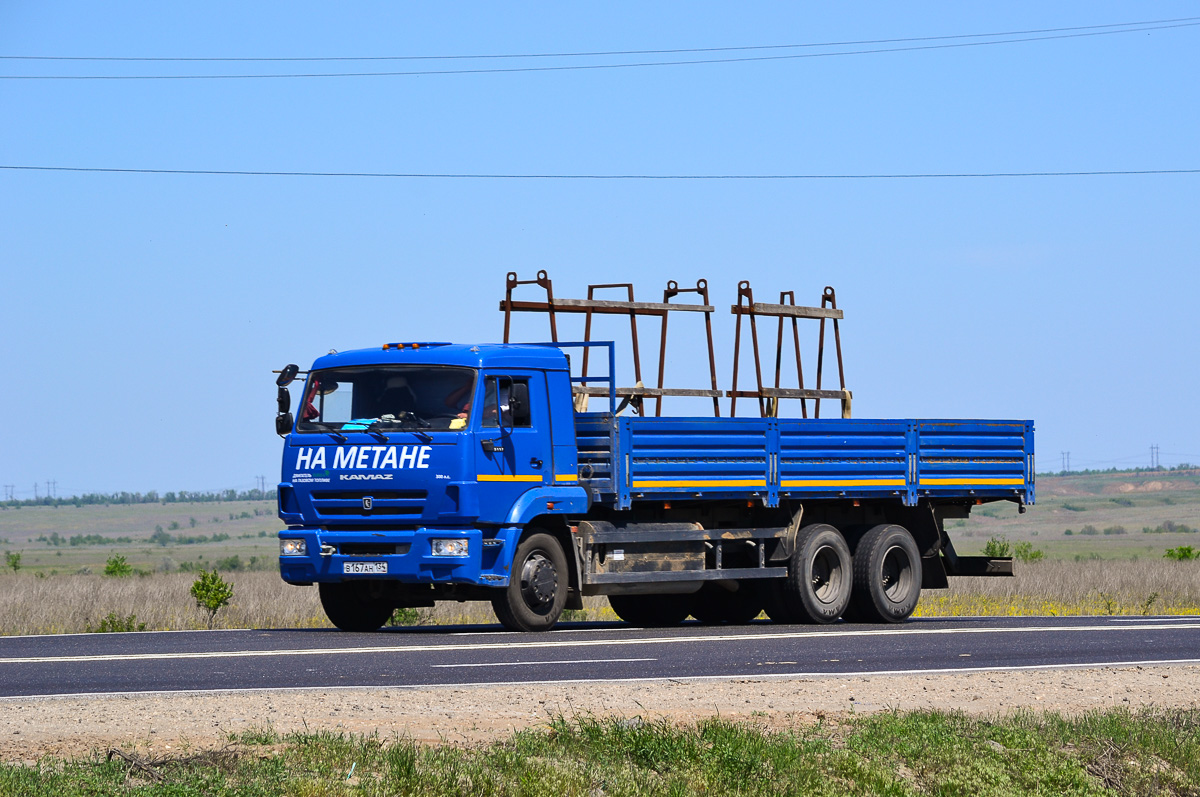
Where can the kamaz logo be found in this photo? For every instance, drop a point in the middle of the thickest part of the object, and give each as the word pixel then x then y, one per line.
pixel 365 457
pixel 365 477
pixel 368 502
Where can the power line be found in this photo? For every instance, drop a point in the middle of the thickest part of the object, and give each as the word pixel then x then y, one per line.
pixel 628 65
pixel 597 53
pixel 500 176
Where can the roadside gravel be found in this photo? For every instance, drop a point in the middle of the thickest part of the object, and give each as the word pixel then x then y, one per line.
pixel 165 723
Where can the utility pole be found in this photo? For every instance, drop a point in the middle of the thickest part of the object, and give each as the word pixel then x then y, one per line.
pixel 1066 461
pixel 1154 462
pixel 35 493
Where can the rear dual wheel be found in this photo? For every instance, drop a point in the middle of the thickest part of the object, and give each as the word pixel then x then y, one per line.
pixel 652 611
pixel 817 587
pixel 714 605
pixel 887 576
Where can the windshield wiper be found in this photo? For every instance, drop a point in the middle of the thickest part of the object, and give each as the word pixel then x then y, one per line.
pixel 399 421
pixel 328 429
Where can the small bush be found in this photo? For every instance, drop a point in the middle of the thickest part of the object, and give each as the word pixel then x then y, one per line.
pixel 1025 552
pixel 174 525
pixel 1089 530
pixel 1068 533
pixel 1114 530
pixel 1183 553
pixel 997 548
pixel 1122 501
pixel 1074 507
pixel 1169 527
pixel 13 560
pixel 405 616
pixel 117 567
pixel 112 623
pixel 211 593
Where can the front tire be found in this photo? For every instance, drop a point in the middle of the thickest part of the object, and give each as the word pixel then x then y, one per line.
pixel 537 589
pixel 350 606
pixel 818 583
pixel 887 576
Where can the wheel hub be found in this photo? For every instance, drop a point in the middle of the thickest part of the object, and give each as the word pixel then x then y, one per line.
pixel 539 581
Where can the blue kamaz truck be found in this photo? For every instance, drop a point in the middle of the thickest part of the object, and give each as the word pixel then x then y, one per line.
pixel 416 472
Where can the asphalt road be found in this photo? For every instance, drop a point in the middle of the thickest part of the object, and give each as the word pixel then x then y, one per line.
pixel 280 659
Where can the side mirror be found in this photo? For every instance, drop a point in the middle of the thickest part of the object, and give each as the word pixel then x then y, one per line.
pixel 284 399
pixel 283 424
pixel 287 375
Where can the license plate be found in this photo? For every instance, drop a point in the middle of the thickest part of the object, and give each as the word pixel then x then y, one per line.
pixel 364 567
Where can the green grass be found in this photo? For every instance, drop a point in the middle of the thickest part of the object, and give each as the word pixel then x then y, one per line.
pixel 1113 752
pixel 251 532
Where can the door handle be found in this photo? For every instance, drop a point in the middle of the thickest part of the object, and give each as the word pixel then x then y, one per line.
pixel 534 462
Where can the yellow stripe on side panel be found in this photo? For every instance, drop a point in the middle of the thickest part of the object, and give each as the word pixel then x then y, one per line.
pixel 722 483
pixel 565 477
pixel 489 477
pixel 999 482
pixel 842 483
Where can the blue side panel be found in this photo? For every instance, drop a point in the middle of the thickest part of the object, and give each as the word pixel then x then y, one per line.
pixel 771 460
pixel 838 458
pixel 697 457
pixel 975 459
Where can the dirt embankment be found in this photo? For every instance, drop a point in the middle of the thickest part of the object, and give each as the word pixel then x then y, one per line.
pixel 74 726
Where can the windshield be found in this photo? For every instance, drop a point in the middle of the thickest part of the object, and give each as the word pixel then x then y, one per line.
pixel 369 398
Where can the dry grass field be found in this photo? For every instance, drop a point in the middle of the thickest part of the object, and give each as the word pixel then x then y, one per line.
pixel 78 603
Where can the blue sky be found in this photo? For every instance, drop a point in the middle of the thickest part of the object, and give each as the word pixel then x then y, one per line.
pixel 143 314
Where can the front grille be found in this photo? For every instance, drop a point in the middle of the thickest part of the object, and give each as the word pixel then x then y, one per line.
pixel 357 495
pixel 384 503
pixel 373 549
pixel 377 509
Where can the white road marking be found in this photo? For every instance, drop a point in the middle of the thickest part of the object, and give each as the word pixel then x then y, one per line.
pixel 525 663
pixel 568 643
pixel 757 676
pixel 1188 619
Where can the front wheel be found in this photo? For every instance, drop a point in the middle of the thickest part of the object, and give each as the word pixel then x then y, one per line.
pixel 350 606
pixel 887 576
pixel 537 588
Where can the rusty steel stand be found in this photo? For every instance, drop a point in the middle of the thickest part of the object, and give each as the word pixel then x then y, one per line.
pixel 634 396
pixel 768 397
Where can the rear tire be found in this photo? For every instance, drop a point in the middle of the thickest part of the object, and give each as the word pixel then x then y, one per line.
pixel 818 584
pixel 652 611
pixel 537 589
pixel 350 606
pixel 714 605
pixel 887 576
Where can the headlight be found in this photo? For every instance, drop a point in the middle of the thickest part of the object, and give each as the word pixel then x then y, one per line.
pixel 293 548
pixel 449 547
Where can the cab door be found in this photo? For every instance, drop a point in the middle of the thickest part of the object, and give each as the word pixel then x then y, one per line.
pixel 513 440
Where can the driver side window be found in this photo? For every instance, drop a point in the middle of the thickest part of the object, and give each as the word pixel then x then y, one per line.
pixel 508 398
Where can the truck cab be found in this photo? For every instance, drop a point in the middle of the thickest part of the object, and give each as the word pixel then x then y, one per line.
pixel 410 470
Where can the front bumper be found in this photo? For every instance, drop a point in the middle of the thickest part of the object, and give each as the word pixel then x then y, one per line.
pixel 409 561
